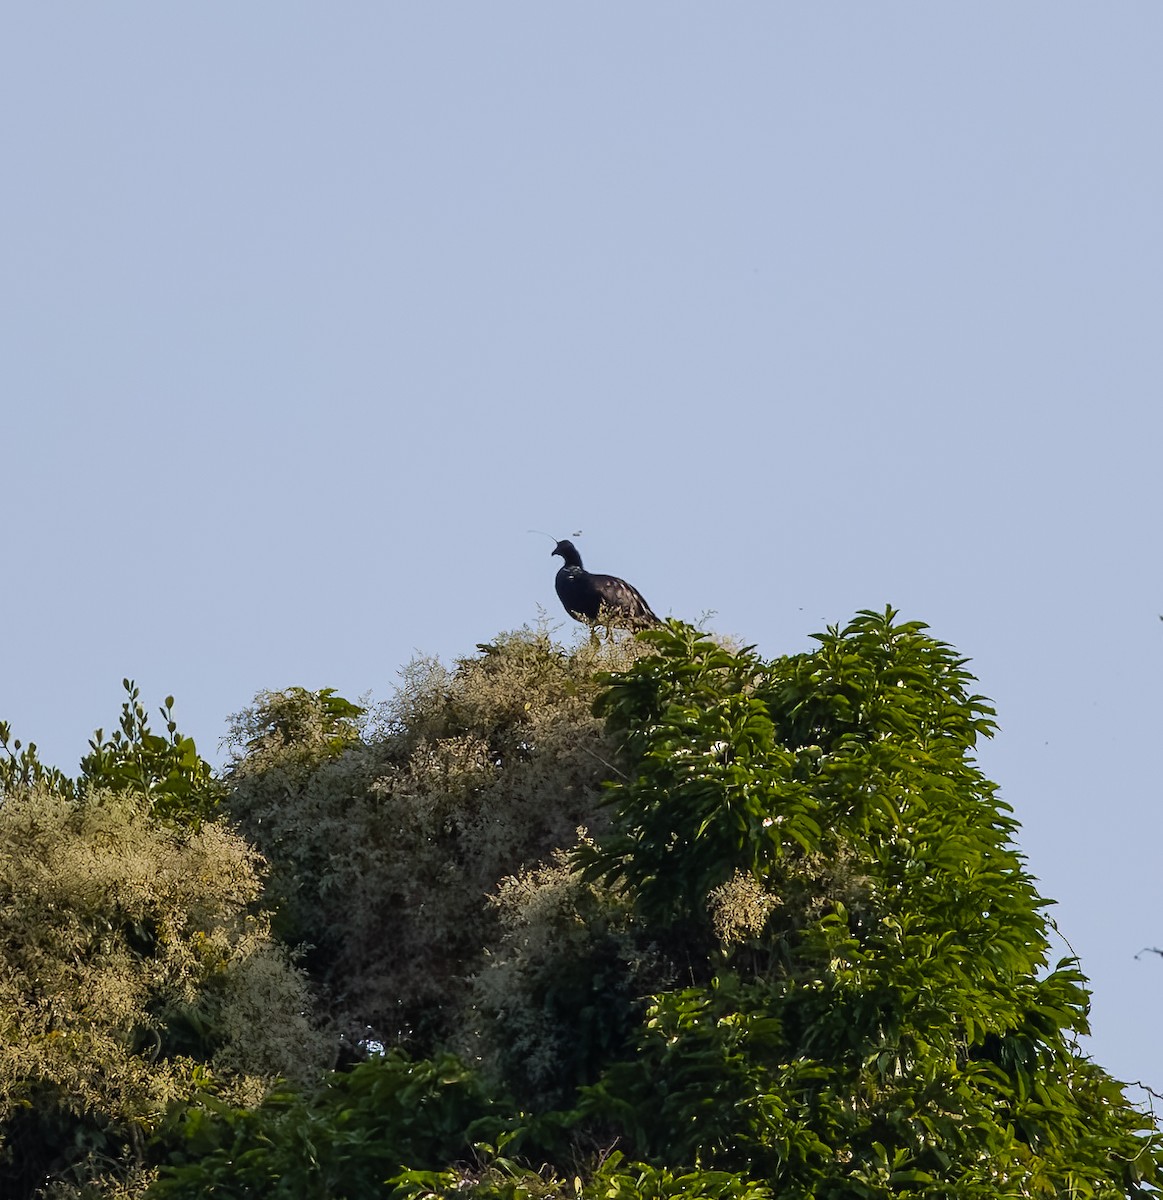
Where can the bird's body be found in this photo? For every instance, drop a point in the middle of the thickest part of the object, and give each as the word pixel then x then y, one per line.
pixel 601 599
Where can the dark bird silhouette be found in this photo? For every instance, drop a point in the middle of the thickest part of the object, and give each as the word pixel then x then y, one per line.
pixel 601 599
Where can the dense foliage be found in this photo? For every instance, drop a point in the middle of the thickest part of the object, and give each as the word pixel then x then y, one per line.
pixel 386 833
pixel 648 917
pixel 890 1025
pixel 135 973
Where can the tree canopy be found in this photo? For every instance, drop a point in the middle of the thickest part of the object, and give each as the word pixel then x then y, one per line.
pixel 646 917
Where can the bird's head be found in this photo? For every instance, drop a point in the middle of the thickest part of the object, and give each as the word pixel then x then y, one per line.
pixel 568 552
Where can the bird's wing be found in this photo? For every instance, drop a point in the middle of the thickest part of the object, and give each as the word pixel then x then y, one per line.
pixel 619 597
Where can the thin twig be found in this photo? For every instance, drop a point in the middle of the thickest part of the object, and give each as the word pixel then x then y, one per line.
pixel 610 766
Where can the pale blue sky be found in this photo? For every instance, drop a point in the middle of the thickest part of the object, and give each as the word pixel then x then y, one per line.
pixel 308 312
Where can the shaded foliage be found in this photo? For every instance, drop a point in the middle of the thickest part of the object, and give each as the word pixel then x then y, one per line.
pixel 562 991
pixel 389 1127
pixel 385 844
pixel 362 1127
